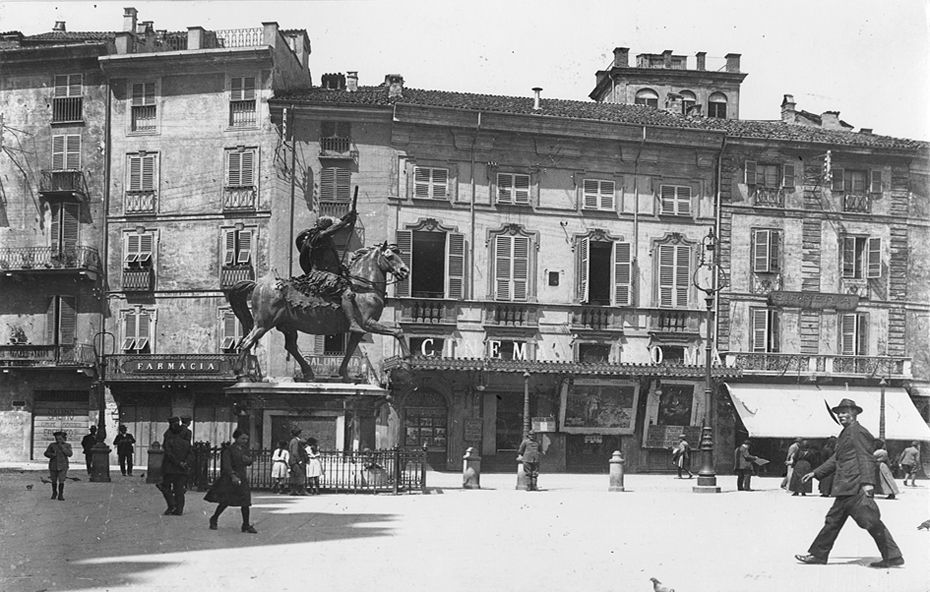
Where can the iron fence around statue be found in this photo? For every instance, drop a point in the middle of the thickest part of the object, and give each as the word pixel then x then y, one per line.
pixel 370 471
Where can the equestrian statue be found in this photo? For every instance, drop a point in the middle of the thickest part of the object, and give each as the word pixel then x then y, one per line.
pixel 328 299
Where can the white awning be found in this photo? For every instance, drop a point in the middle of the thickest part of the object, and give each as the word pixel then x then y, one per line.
pixel 795 411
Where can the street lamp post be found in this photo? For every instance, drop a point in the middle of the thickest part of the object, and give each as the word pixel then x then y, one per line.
pixel 100 453
pixel 710 284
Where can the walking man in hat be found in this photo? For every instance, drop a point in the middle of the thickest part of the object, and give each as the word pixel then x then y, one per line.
pixel 175 467
pixel 853 467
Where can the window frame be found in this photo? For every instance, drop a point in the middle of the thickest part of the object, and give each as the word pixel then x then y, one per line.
pixel 867 260
pixel 430 184
pixel 240 99
pixel 237 250
pixel 621 271
pixel 228 344
pixel 454 259
pixel 341 184
pixel 681 279
pixel 767 320
pixel 141 157
pixel 858 322
pixel 773 250
pixel 129 344
pixel 139 258
pixel 713 107
pixel 496 281
pixel 677 200
pixel 240 151
pixel 652 101
pixel 144 100
pixel 68 156
pixel 507 181
pixel 595 201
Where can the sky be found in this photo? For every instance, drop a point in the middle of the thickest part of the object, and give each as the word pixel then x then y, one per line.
pixel 868 59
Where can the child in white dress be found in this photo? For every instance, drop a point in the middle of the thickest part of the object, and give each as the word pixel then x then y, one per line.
pixel 279 470
pixel 314 468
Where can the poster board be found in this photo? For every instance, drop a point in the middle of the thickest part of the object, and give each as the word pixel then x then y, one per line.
pixel 592 406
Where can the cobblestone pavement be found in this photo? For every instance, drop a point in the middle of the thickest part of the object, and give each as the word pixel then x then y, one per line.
pixel 573 535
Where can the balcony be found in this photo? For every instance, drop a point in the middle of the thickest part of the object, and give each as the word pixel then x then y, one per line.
pixel 861 204
pixel 232 274
pixel 767 197
pixel 168 367
pixel 511 315
pixel 238 199
pixel 757 363
pixel 674 322
pixel 251 37
pixel 336 209
pixel 44 356
pixel 327 366
pixel 596 318
pixel 139 202
pixel 242 114
pixel 49 259
pixel 63 184
pixel 138 280
pixel 336 148
pixel 428 311
pixel 67 109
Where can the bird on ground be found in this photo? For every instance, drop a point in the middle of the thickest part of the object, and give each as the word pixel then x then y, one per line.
pixel 29 486
pixel 657 586
pixel 925 525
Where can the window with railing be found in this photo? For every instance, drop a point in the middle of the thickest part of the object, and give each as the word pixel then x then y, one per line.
pixel 858 188
pixel 68 102
pixel 66 152
pixel 240 190
pixel 138 261
pixel 335 137
pixel 764 330
pixel 242 105
pixel 861 257
pixel 140 184
pixel 144 110
pixel 768 183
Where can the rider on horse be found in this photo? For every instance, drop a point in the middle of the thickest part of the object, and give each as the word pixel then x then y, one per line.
pixel 322 266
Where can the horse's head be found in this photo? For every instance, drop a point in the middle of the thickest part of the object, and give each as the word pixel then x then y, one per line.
pixel 390 261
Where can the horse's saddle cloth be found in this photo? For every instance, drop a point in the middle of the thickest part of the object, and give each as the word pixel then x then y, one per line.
pixel 314 290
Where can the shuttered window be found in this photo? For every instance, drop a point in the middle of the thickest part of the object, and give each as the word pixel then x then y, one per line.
pixel 141 172
pixel 69 85
pixel 237 246
pixel 404 240
pixel 430 182
pixel 513 188
pixel 139 249
pixel 66 224
pixel 674 271
pixel 511 267
pixel 788 176
pixel 623 274
pixel 764 327
pixel 455 265
pixel 66 152
pixel 854 334
pixel 765 250
pixel 875 181
pixel 675 200
pixel 598 194
pixel 240 167
pixel 335 184
pixel 137 331
pixel 61 320
pixel 231 333
pixel 862 257
pixel 770 176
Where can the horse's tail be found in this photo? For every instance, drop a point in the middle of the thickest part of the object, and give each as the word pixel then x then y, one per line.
pixel 238 296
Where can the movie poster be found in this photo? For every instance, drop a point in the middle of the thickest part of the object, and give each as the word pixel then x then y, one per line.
pixel 599 407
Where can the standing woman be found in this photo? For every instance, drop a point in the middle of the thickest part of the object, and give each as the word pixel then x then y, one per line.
pixel 885 478
pixel 803 464
pixel 232 487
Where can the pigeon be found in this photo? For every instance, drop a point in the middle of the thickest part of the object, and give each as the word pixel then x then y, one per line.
pixel 657 586
pixel 925 525
pixel 29 486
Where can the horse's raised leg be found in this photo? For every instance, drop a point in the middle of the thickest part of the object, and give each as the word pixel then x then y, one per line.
pixel 373 326
pixel 351 345
pixel 246 345
pixel 290 344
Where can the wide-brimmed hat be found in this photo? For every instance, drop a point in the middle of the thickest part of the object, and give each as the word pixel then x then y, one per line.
pixel 847 404
pixel 174 419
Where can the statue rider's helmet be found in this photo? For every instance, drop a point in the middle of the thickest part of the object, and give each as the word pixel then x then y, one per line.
pixel 324 222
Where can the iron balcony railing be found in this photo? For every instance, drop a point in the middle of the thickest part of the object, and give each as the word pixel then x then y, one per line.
pixel 428 311
pixel 336 209
pixel 139 202
pixel 596 318
pixel 144 118
pixel 337 147
pixel 250 37
pixel 768 197
pixel 857 203
pixel 40 259
pixel 242 113
pixel 67 109
pixel 819 364
pixel 239 198
pixel 230 275
pixel 327 366
pixel 62 183
pixel 674 321
pixel 369 471
pixel 27 355
pixel 138 280
pixel 511 315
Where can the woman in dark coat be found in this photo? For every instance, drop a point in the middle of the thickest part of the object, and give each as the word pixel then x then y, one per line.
pixel 232 486
pixel 825 485
pixel 803 464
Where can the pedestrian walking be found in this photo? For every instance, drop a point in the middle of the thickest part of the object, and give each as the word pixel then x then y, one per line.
pixel 87 444
pixel 742 466
pixel 57 454
pixel 804 460
pixel 297 462
pixel 884 478
pixel 175 467
pixel 790 458
pixel 232 486
pixel 529 455
pixel 279 468
pixel 681 456
pixel 124 449
pixel 909 460
pixel 314 466
pixel 825 484
pixel 853 488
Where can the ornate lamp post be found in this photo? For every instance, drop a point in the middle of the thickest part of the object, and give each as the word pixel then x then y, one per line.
pixel 709 283
pixel 100 453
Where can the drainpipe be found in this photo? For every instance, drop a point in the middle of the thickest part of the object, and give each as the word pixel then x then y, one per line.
pixel 639 151
pixel 104 261
pixel 471 246
pixel 717 198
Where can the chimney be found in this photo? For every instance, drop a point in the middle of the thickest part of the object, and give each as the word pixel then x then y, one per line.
pixel 732 62
pixel 621 57
pixel 59 26
pixel 352 80
pixel 148 27
pixel 195 37
pixel 140 28
pixel 129 19
pixel 673 103
pixel 701 60
pixel 395 85
pixel 667 59
pixel 788 109
pixel 536 91
pixel 830 120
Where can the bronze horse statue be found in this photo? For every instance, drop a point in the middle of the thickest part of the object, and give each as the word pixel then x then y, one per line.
pixel 368 272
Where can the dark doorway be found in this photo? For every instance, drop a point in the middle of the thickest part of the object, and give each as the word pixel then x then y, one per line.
pixel 599 271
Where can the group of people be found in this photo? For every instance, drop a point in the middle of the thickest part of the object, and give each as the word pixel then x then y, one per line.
pixel 59 453
pixel 298 464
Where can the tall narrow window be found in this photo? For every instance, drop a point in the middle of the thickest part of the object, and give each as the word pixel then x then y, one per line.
pixel 598 194
pixel 68 103
pixel 717 105
pixel 674 272
pixel 511 267
pixel 138 250
pixel 604 272
pixel 66 224
pixel 854 334
pixel 764 338
pixel 231 333
pixel 242 102
pixel 335 184
pixel 513 188
pixel 137 331
pixel 240 167
pixel 675 200
pixel 66 152
pixel 61 320
pixel 144 114
pixel 862 257
pixel 436 261
pixel 238 244
pixel 430 182
pixel 765 251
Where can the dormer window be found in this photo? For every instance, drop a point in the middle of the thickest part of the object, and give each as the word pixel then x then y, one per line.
pixel 717 105
pixel 647 97
pixel 688 100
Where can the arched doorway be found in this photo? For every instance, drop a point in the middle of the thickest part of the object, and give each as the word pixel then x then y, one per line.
pixel 426 422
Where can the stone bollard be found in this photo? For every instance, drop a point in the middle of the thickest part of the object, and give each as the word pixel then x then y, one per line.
pixel 616 471
pixel 471 469
pixel 100 463
pixel 522 481
pixel 156 456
